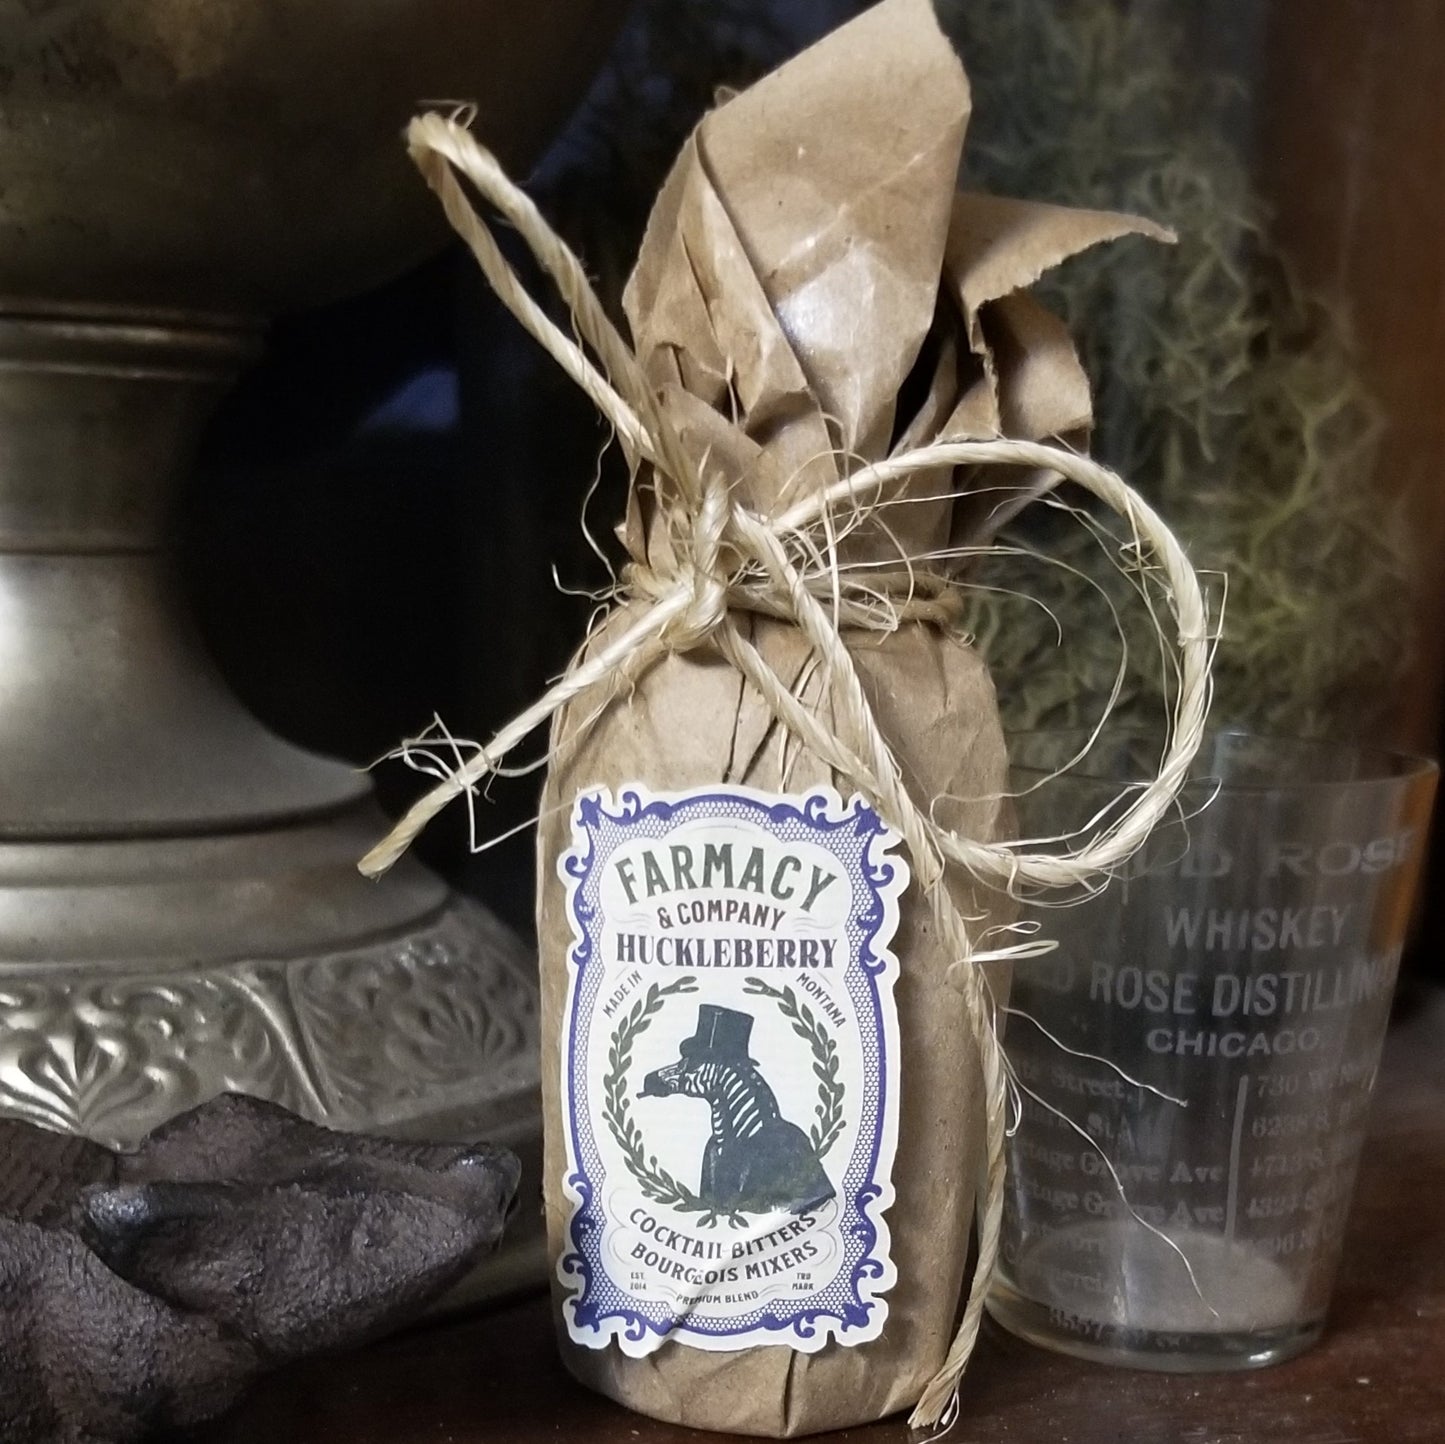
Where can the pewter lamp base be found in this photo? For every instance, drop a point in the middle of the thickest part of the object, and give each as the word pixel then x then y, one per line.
pixel 427 1029
pixel 180 911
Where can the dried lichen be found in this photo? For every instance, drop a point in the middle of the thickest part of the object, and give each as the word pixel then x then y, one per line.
pixel 1223 390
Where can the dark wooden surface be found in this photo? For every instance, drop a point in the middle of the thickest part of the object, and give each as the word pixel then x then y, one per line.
pixel 1378 1377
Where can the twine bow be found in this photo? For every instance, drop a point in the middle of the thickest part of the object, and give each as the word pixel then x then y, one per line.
pixel 725 557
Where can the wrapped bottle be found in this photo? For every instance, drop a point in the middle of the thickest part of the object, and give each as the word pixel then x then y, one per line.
pixel 763 1097
pixel 777 776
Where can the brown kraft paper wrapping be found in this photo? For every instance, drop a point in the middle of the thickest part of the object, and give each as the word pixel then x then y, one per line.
pixel 692 722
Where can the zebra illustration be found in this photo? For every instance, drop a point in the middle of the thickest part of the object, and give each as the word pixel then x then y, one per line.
pixel 755 1161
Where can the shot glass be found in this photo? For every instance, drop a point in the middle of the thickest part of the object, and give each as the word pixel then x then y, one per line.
pixel 1195 1061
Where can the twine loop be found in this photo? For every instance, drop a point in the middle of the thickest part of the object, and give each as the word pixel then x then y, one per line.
pixel 724 558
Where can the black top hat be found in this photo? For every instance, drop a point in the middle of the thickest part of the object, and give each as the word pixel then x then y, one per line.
pixel 722 1035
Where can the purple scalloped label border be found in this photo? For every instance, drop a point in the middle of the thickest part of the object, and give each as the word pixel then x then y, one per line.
pixel 849 1305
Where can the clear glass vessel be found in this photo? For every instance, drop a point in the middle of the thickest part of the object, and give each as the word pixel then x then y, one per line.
pixel 1195 1061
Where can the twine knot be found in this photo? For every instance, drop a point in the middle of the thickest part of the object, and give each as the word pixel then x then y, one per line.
pixel 700 574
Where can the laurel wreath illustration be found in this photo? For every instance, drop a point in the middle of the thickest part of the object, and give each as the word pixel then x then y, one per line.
pixel 652 1178
pixel 828 1128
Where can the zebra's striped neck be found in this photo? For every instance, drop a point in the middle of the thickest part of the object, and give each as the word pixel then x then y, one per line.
pixel 742 1104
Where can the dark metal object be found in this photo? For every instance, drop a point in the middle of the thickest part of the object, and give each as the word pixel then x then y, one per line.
pixel 144 1290
pixel 236 158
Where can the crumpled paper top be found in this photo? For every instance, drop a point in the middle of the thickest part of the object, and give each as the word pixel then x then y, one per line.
pixel 812 292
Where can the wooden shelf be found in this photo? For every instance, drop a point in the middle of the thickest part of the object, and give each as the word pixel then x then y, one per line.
pixel 1378 1377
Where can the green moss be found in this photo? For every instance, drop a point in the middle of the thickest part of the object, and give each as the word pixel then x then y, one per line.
pixel 1224 391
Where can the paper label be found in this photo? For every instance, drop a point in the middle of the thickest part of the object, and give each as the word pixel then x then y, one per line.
pixel 729 1069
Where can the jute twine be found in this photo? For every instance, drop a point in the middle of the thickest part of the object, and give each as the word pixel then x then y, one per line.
pixel 726 558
